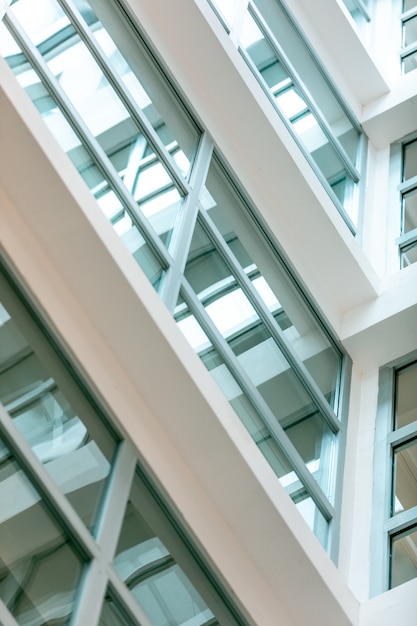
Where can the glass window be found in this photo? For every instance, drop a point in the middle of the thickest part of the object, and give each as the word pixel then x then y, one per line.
pixel 39 567
pixel 153 576
pixel 408 244
pixel 77 451
pixel 403 557
pixel 398 409
pixel 306 100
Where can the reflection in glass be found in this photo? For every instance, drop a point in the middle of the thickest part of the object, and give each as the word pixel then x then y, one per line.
pixel 406 396
pixel 405 477
pixel 409 211
pixel 297 108
pixel 151 573
pixel 258 354
pixel 39 568
pixel 403 557
pixel 410 160
pixel 77 460
pixel 410 31
pixel 409 62
pixel 206 271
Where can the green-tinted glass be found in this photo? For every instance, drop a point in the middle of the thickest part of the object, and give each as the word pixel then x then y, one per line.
pixel 258 354
pixel 39 568
pixel 152 574
pixel 403 560
pixel 406 396
pixel 405 479
pixel 300 328
pixel 76 450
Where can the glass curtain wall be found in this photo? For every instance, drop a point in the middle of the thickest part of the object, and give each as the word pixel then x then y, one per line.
pixel 295 81
pixel 397 432
pixel 75 504
pixel 409 36
pixel 408 192
pixel 152 169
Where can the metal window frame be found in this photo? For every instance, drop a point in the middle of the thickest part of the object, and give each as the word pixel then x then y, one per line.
pixel 386 526
pixel 96 551
pixel 322 122
pixel 174 261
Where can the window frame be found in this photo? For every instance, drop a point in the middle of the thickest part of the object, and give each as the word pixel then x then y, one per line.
pixel 385 526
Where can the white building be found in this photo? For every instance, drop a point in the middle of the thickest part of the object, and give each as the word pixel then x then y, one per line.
pixel 247 193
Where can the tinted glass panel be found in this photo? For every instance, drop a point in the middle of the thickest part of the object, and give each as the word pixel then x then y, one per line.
pixel 406 396
pixel 405 477
pixel 149 570
pixel 403 558
pixel 77 451
pixel 39 568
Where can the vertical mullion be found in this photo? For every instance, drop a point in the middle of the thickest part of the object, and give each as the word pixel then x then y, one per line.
pixel 183 232
pixel 118 489
pixel 91 594
pixel 91 144
pixel 262 409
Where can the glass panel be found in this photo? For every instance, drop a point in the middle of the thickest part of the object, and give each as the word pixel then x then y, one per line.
pixel 297 110
pixel 403 558
pixel 409 255
pixel 410 160
pixel 76 451
pixel 160 206
pixel 156 101
pixel 409 4
pixel 227 9
pixel 39 568
pixel 406 396
pixel 258 354
pixel 409 211
pixel 405 478
pixel 409 62
pixel 110 123
pixel 151 573
pixel 112 615
pixel 299 327
pixel 410 31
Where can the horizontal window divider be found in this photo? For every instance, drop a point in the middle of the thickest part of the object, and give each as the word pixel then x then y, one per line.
pixel 408 14
pixel 407 239
pixel 49 492
pixel 300 370
pixel 408 185
pixel 401 522
pixel 261 407
pixel 17 358
pixel 300 144
pixel 305 94
pixel 402 435
pixel 184 229
pixel 30 397
pixel 89 142
pixel 128 101
pixel 347 110
pixel 405 52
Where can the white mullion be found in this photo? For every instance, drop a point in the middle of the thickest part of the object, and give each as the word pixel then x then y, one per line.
pixel 112 514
